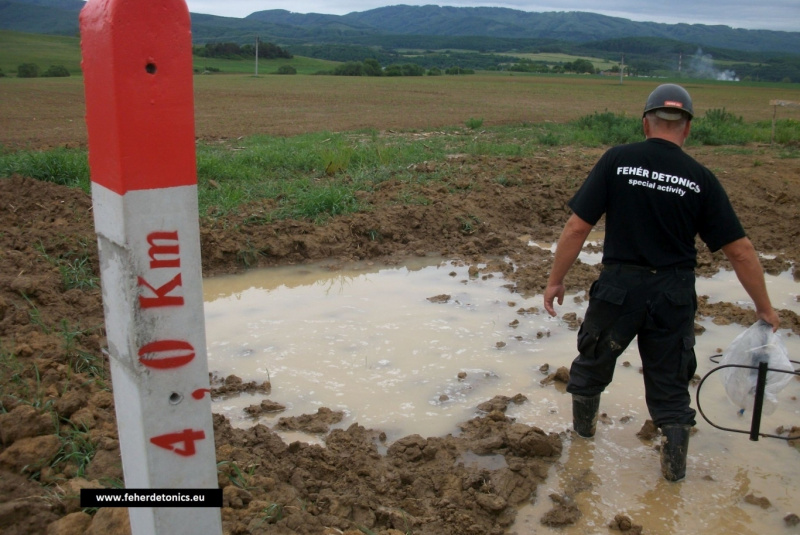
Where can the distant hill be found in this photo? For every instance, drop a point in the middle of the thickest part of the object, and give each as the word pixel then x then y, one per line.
pixel 564 26
pixel 481 38
pixel 284 27
pixel 57 17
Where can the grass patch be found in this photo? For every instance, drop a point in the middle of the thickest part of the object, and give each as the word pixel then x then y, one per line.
pixel 68 167
pixel 319 175
pixel 473 123
pixel 720 127
pixel 316 176
pixel 80 361
pixel 238 477
pixel 606 129
pixel 320 201
pixel 785 132
pixel 75 267
pixel 77 272
pixel 77 450
pixel 789 152
pixel 15 385
pixel 313 176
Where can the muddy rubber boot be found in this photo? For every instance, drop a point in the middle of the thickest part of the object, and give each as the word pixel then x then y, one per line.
pixel 674 447
pixel 584 414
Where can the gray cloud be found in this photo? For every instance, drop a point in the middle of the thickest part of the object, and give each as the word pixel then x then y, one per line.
pixel 781 15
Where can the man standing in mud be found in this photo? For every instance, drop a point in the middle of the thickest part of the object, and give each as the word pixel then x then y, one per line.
pixel 656 200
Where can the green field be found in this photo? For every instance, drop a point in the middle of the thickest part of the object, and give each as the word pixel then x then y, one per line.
pixel 265 66
pixel 549 58
pixel 17 48
pixel 554 59
pixel 44 50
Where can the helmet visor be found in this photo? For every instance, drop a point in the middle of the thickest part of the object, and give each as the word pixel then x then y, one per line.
pixel 671 114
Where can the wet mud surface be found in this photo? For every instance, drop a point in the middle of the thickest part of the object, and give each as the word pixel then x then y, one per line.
pixel 58 430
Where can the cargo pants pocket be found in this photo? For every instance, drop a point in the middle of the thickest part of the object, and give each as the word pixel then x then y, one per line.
pixel 684 303
pixel 688 359
pixel 605 304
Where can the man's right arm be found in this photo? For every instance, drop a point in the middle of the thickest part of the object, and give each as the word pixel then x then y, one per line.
pixel 569 246
pixel 742 255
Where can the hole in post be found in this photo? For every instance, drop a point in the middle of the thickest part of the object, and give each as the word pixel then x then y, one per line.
pixel 175 398
pixel 150 68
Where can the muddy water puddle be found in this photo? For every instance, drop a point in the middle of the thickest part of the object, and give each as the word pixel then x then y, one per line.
pixel 415 349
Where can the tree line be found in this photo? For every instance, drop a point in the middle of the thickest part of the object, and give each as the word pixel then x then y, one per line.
pixel 236 51
pixel 371 67
pixel 32 70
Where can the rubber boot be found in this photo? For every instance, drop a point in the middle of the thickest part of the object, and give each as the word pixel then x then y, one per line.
pixel 584 414
pixel 674 447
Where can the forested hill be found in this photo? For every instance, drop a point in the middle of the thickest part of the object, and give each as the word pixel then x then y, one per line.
pixel 514 24
pixel 61 17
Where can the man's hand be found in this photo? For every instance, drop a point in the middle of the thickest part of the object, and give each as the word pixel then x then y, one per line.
pixel 771 317
pixel 552 293
pixel 569 246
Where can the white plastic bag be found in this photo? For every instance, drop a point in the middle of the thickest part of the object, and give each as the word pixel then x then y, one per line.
pixel 755 345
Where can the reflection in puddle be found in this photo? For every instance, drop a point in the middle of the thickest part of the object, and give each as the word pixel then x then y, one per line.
pixel 371 343
pixel 368 341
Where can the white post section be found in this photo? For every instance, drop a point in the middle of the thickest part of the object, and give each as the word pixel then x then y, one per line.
pixel 140 118
pixel 152 292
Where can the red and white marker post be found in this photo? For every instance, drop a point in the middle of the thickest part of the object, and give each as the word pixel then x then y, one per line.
pixel 137 67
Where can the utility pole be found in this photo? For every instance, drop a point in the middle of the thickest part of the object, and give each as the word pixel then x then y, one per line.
pixel 256 56
pixel 621 69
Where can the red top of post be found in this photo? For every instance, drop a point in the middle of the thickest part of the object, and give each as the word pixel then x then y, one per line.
pixel 137 65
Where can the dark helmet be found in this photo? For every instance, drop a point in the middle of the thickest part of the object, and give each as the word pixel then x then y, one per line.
pixel 669 97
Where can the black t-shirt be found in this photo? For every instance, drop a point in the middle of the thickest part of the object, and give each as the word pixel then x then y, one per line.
pixel 656 199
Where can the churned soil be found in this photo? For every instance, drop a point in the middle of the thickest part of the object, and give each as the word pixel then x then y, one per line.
pixel 54 377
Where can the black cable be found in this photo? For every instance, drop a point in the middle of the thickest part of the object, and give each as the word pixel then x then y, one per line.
pixel 716 358
pixel 700 384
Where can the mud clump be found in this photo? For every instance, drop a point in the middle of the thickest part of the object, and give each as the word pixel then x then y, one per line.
pixel 760 501
pixel 649 431
pixel 563 513
pixel 624 524
pixel 422 485
pixel 233 385
pixel 501 403
pixel 311 423
pixel 265 407
pixel 561 375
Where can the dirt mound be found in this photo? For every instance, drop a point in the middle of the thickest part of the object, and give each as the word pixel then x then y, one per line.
pixel 420 485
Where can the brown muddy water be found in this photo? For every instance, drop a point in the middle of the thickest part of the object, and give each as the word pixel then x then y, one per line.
pixel 370 341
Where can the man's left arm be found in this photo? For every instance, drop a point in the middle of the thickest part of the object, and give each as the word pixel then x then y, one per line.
pixel 742 255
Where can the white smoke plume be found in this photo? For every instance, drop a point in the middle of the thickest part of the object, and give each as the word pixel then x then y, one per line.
pixel 702 66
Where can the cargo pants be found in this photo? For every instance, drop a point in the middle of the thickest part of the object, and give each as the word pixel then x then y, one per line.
pixel 658 307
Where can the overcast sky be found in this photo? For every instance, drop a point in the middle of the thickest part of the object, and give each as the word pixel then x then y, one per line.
pixel 765 15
